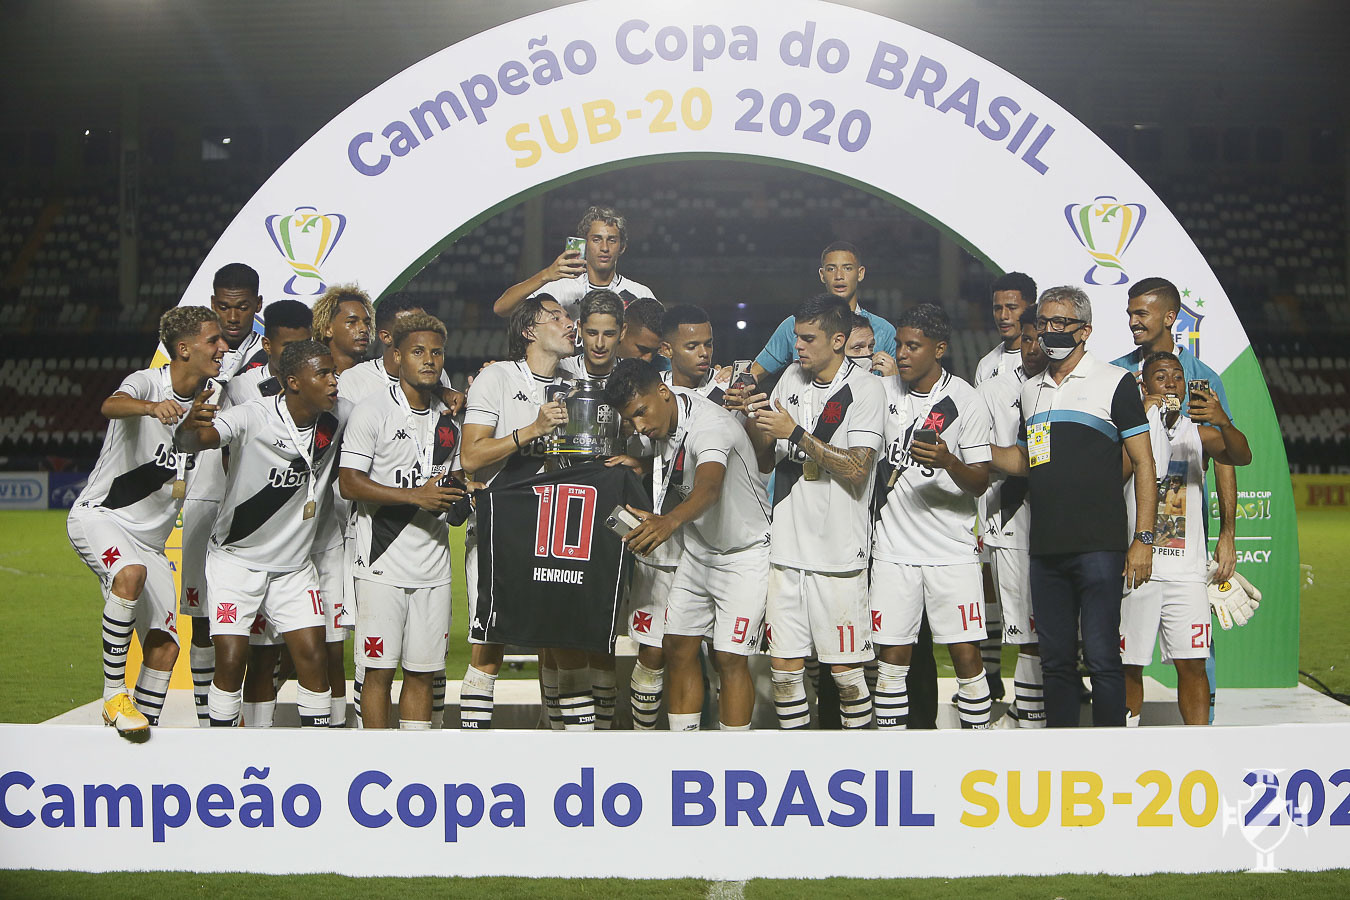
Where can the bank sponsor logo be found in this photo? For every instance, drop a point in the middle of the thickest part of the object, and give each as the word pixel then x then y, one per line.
pixel 1106 228
pixel 306 238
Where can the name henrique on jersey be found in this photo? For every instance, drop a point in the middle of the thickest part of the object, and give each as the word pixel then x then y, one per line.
pixel 507 396
pixel 261 519
pixel 822 525
pixel 208 482
pixel 133 478
pixel 1005 513
pixel 925 518
pixel 740 518
pixel 400 545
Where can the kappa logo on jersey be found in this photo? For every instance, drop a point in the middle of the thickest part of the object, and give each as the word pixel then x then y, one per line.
pixel 895 410
pixel 374 647
pixel 226 613
pixel 401 435
pixel 110 556
pixel 642 622
pixel 833 413
pixel 520 395
pixel 445 436
pixel 792 401
pixel 280 445
pixel 1011 629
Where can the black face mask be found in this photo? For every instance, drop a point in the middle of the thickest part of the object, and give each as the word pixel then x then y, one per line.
pixel 1058 344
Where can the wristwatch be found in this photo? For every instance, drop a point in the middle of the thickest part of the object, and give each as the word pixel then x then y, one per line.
pixel 1144 537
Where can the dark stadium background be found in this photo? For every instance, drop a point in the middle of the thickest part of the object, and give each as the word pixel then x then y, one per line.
pixel 1235 113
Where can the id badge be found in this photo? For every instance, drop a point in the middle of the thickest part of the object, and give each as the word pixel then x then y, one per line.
pixel 1038 443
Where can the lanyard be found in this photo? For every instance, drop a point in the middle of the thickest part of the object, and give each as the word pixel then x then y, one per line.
pixel 179 459
pixel 425 448
pixel 812 414
pixel 661 476
pixel 305 449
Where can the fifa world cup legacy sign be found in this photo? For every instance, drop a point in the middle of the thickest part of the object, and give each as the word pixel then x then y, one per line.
pixel 510 112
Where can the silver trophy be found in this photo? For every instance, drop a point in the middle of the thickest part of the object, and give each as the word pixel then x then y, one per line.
pixel 592 428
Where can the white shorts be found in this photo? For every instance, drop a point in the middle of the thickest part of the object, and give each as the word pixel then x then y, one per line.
pixel 727 600
pixel 1178 611
pixel 648 594
pixel 953 597
pixel 820 614
pixel 408 626
pixel 199 517
pixel 329 565
pixel 289 600
pixel 1011 570
pixel 107 548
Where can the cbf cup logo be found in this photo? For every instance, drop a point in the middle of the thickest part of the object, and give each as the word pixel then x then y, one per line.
pixel 1106 228
pixel 1186 329
pixel 305 239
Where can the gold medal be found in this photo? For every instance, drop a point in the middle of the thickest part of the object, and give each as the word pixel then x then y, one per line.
pixel 179 489
pixel 309 509
pixel 811 470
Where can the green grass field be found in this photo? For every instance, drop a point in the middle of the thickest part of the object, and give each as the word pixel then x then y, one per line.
pixel 41 580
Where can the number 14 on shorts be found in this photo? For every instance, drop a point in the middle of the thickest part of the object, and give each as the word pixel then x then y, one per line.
pixel 970 615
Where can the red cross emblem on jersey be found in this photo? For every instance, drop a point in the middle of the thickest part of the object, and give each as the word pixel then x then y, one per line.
pixel 110 556
pixel 876 620
pixel 192 598
pixel 833 413
pixel 768 633
pixel 374 647
pixel 1122 643
pixel 226 613
pixel 445 436
pixel 323 434
pixel 642 622
pixel 259 623
pixel 936 421
pixel 169 623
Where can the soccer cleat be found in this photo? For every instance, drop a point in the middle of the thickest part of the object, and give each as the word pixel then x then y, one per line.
pixel 123 715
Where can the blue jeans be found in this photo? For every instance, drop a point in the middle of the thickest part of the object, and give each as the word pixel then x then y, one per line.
pixel 1072 592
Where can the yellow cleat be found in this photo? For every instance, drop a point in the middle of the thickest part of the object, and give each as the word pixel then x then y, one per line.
pixel 123 715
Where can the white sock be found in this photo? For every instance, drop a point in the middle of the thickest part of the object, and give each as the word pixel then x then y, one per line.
pixel 575 700
pixel 224 706
pixel 152 686
pixel 203 662
pixel 723 726
pixel 972 701
pixel 855 703
pixel 437 701
pixel 337 712
pixel 314 707
pixel 260 714
pixel 604 688
pixel 645 690
pixel 1029 690
pixel 684 721
pixel 1131 720
pixel 476 699
pixel 892 696
pixel 119 622
pixel 789 698
pixel 548 683
pixel 413 725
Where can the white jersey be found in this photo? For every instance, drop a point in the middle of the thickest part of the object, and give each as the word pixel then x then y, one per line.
pixel 364 379
pixel 927 519
pixel 822 525
pixel 740 518
pixel 1180 552
pixel 397 446
pixel 997 362
pixel 133 478
pixel 1005 510
pixel 506 396
pixel 709 388
pixel 569 291
pixel 261 520
pixel 208 481
pixel 573 368
pixel 254 384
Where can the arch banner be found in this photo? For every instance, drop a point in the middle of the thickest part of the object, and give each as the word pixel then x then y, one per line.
pixel 848 94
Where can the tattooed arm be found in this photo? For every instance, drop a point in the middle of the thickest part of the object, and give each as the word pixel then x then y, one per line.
pixel 853 466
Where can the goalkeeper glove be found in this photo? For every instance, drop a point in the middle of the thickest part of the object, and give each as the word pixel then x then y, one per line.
pixel 1235 601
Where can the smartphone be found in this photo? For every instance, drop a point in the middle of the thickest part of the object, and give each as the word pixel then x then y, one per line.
pixel 1199 384
pixel 925 436
pixel 740 373
pixel 577 244
pixel 621 521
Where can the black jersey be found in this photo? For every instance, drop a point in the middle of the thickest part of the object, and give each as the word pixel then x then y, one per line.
pixel 550 573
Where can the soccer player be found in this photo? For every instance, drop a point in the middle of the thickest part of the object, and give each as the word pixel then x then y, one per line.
pixel 399 455
pixel 721 508
pixel 125 513
pixel 600 323
pixel 1173 603
pixel 842 272
pixel 573 275
pixel 642 332
pixel 820 433
pixel 1153 306
pixel 1013 294
pixel 343 319
pixel 512 407
pixel 235 299
pixel 259 559
pixel 924 552
pixel 1005 524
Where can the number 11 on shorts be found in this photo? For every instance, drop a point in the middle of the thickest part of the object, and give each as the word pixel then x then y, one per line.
pixel 970 615
pixel 852 639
